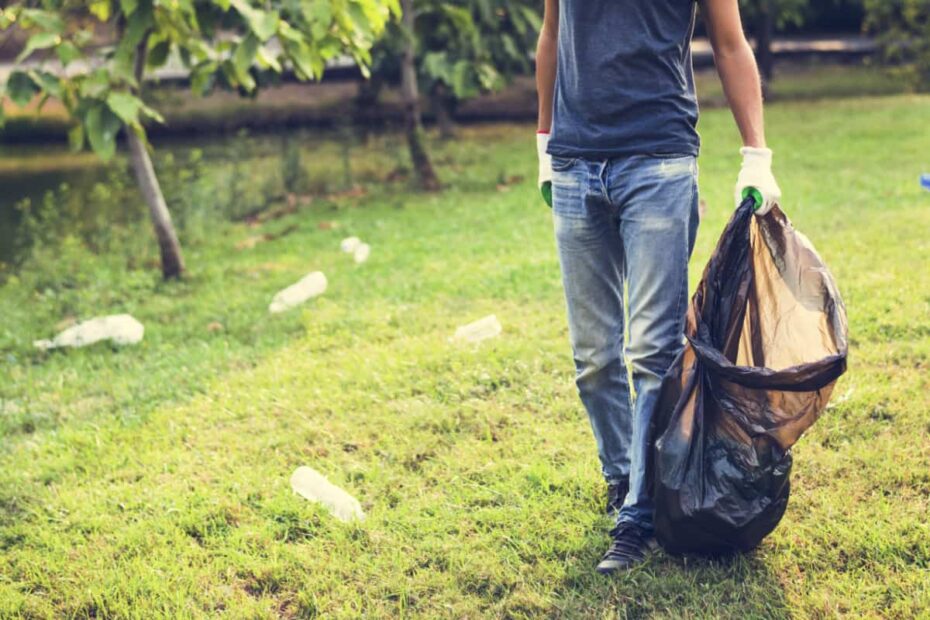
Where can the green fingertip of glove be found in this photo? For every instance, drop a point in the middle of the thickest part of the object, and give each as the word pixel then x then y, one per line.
pixel 546 191
pixel 756 195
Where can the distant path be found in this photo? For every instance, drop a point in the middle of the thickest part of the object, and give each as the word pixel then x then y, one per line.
pixel 839 47
pixel 846 46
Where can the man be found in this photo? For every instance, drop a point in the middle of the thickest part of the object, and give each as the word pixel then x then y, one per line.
pixel 617 162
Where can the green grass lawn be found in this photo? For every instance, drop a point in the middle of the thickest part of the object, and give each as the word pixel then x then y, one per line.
pixel 811 80
pixel 152 481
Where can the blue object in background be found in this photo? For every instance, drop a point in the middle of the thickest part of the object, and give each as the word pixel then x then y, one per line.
pixel 925 181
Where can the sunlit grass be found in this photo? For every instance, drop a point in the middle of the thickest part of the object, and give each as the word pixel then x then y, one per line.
pixel 152 481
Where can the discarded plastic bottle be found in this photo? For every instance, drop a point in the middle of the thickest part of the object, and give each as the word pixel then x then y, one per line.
pixel 361 252
pixel 925 181
pixel 121 329
pixel 349 244
pixel 482 329
pixel 311 484
pixel 311 285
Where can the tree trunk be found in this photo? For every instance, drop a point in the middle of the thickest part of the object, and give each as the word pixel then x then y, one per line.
pixel 172 263
pixel 426 176
pixel 442 108
pixel 764 28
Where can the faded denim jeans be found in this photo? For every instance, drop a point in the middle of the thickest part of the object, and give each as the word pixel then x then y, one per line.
pixel 625 228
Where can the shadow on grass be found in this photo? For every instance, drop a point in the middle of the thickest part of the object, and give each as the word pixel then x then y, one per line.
pixel 739 586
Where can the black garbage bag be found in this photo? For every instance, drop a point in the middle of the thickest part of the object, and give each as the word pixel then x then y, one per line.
pixel 766 342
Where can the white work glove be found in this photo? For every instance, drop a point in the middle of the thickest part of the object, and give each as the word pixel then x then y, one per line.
pixel 756 179
pixel 545 166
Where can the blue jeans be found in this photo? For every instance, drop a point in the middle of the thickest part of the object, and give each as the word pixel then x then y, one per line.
pixel 625 227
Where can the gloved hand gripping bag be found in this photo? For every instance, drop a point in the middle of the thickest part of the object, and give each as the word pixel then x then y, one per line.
pixel 766 341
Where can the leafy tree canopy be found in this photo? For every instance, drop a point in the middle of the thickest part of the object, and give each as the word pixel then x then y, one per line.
pixel 903 31
pixel 469 46
pixel 230 42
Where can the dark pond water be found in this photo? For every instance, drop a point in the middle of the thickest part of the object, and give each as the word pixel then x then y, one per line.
pixel 24 177
pixel 224 175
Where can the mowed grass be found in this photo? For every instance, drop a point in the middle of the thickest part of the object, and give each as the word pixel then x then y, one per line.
pixel 153 481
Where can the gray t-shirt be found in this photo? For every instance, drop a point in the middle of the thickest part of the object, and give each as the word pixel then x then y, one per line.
pixel 624 83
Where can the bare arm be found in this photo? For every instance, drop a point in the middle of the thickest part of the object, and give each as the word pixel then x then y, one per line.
pixel 545 63
pixel 736 66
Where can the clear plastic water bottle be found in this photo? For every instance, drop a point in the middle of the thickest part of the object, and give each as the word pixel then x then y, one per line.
pixel 349 244
pixel 482 329
pixel 361 252
pixel 121 329
pixel 311 285
pixel 312 485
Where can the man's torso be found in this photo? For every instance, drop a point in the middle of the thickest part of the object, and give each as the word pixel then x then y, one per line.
pixel 624 83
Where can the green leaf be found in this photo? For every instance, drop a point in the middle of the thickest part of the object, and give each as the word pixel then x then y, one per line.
pixel 7 17
pixel 266 25
pixel 464 84
pixel 122 70
pixel 139 130
pixel 186 6
pixel 532 17
pixel 318 65
pixel 48 82
pixel 209 18
pixel 319 14
pixel 42 101
pixel 158 54
pixel 194 51
pixel 136 28
pixel 125 105
pixel 363 60
pixel 101 126
pixel 329 47
pixel 95 85
pixel 488 77
pixel 128 6
pixel 510 48
pixel 67 52
pixel 302 57
pixel 82 38
pixel 202 77
pixel 436 65
pixel 227 74
pixel 267 60
pixel 289 34
pixel 263 23
pixel 245 53
pixel 40 41
pixel 152 114
pixel 76 137
pixel 101 9
pixel 21 88
pixel 485 10
pixel 242 61
pixel 46 20
pixel 359 20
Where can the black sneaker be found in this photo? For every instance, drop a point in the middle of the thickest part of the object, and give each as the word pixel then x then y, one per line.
pixel 616 493
pixel 630 546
